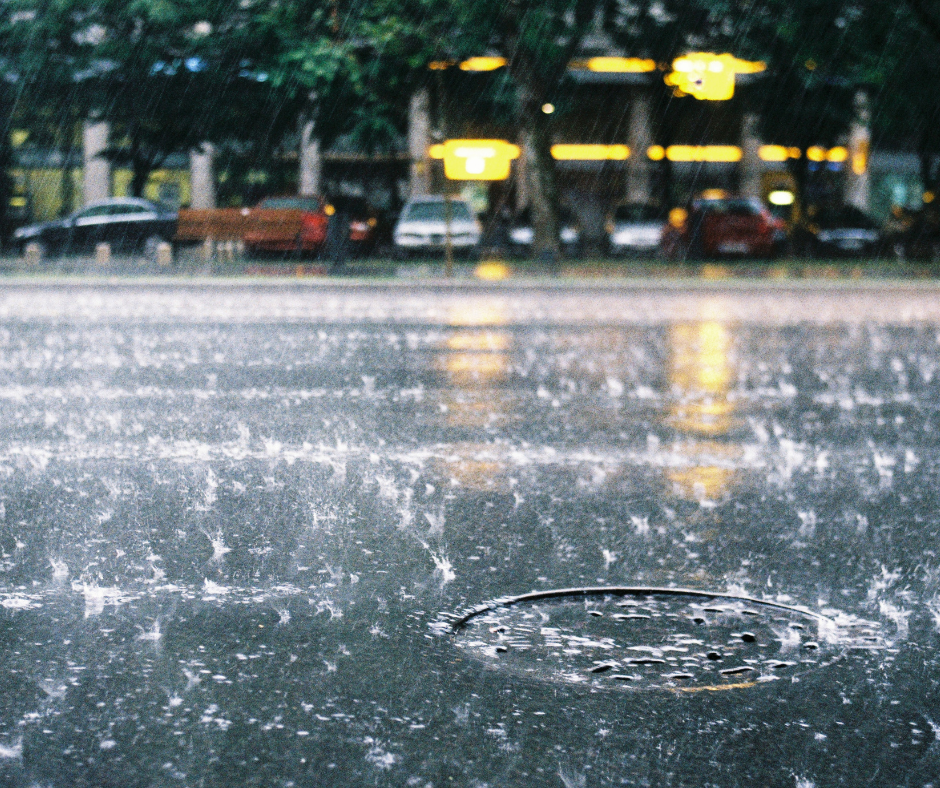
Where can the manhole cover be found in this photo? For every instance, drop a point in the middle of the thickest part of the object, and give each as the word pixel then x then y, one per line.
pixel 667 638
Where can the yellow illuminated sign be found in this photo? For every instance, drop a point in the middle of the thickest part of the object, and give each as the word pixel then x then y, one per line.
pixel 482 63
pixel 778 153
pixel 717 153
pixel 475 160
pixel 615 65
pixel 590 152
pixel 707 76
pixel 838 154
pixel 860 157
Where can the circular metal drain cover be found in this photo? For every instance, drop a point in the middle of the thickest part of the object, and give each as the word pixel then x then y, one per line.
pixel 669 638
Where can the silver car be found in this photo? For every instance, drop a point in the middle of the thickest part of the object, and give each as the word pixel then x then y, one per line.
pixel 635 228
pixel 423 226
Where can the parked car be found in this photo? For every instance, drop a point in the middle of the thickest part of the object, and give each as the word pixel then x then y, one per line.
pixel 522 233
pixel 356 227
pixel 422 226
pixel 838 231
pixel 126 223
pixel 295 225
pixel 635 228
pixel 914 235
pixel 724 227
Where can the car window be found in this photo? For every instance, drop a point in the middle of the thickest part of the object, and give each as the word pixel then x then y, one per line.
pixel 124 209
pixel 435 211
pixel 94 211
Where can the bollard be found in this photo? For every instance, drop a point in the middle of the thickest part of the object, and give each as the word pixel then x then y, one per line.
pixel 32 253
pixel 102 254
pixel 164 254
pixel 230 250
pixel 208 250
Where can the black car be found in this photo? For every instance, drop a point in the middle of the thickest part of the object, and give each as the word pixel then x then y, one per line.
pixel 356 227
pixel 126 223
pixel 838 231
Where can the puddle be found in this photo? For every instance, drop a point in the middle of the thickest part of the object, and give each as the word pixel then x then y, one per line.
pixel 649 638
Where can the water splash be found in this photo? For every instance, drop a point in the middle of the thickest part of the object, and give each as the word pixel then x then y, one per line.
pixel 444 568
pixel 60 570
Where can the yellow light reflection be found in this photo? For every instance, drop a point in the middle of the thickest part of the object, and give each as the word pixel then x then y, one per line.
pixel 492 271
pixel 701 375
pixel 474 359
pixel 704 478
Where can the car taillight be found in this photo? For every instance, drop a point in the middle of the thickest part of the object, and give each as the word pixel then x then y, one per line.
pixel 313 220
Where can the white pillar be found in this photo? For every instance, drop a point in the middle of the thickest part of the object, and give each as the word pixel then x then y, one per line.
pixel 640 137
pixel 419 140
pixel 202 176
pixel 311 166
pixel 96 174
pixel 750 157
pixel 857 185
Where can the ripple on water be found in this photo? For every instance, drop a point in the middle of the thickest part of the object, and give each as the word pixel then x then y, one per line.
pixel 657 640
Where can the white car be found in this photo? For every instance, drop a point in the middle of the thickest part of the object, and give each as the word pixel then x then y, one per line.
pixel 635 228
pixel 422 226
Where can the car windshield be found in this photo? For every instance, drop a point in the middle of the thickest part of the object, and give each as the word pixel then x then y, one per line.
pixel 436 211
pixel 843 217
pixel 732 207
pixel 639 214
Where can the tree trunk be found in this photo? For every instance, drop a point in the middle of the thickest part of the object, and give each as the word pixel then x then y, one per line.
pixel 543 192
pixel 142 170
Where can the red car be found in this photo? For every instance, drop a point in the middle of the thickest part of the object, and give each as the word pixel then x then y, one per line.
pixel 724 227
pixel 287 224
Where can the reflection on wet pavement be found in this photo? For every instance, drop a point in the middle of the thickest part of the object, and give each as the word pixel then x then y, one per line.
pixel 232 519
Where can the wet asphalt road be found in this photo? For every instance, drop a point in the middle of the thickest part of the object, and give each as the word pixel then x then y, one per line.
pixel 234 519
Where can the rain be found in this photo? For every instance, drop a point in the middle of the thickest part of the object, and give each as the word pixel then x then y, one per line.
pixel 240 525
pixel 477 393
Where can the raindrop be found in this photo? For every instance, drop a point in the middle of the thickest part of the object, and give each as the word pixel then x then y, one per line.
pixel 748 637
pixel 713 655
pixel 736 671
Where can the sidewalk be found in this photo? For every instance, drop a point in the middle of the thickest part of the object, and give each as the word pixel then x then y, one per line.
pixel 189 265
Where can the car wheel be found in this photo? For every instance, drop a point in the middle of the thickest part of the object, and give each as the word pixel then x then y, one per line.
pixel 40 246
pixel 151 246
